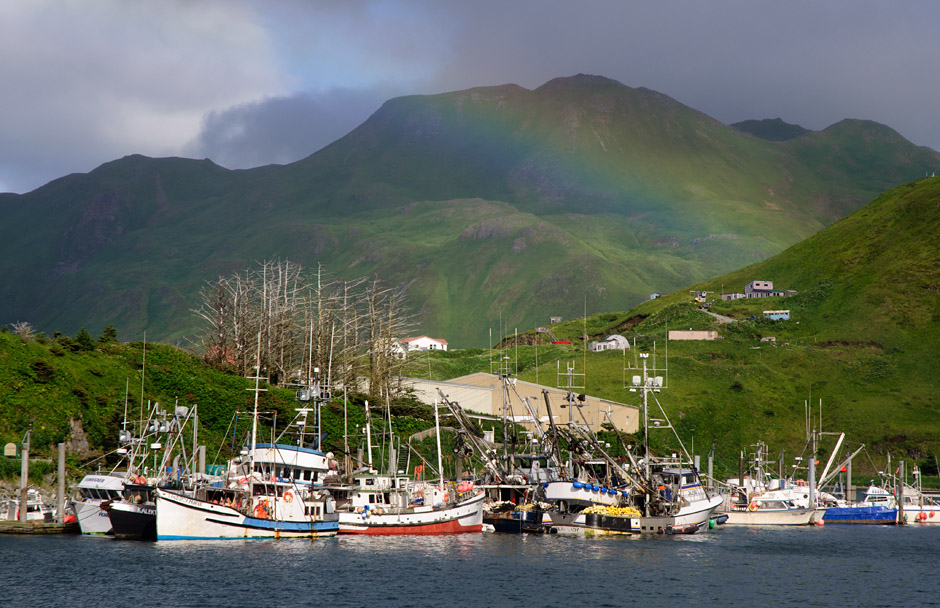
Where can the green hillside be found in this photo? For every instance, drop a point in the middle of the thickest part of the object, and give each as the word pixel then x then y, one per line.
pixel 861 338
pixel 496 201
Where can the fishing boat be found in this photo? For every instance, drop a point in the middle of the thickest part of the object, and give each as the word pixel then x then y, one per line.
pixel 93 490
pixel 391 504
pixel 37 508
pixel 650 495
pixel 769 509
pixel 385 506
pixel 878 507
pixel 134 516
pixel 272 492
pixel 756 498
pixel 680 505
pixel 513 483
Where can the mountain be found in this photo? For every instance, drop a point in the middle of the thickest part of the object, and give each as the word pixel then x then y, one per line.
pixel 771 129
pixel 494 202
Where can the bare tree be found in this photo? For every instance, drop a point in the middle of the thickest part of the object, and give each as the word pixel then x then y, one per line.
pixel 23 329
pixel 344 328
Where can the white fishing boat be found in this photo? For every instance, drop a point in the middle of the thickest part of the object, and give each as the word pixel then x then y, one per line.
pixel 769 509
pixel 37 508
pixel 93 490
pixel 386 506
pixel 272 493
pixel 248 509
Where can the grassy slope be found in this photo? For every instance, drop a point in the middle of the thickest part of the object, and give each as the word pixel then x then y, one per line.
pixel 862 338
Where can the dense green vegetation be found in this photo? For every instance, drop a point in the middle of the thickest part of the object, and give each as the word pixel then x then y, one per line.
pixel 581 193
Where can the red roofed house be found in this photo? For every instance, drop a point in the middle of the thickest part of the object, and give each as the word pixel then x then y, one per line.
pixel 424 343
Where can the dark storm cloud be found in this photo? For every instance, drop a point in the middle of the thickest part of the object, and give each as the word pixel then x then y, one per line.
pixel 282 129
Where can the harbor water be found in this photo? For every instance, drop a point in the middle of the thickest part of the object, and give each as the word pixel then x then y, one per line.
pixel 798 566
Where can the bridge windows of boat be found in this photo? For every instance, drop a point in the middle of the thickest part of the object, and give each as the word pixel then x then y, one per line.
pixel 100 494
pixel 264 489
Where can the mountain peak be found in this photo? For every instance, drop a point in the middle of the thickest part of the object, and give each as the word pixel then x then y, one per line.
pixel 579 81
pixel 771 129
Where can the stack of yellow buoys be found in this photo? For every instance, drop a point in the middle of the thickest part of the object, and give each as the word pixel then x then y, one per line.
pixel 613 511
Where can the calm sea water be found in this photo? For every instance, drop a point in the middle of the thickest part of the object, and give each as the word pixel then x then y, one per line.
pixel 830 566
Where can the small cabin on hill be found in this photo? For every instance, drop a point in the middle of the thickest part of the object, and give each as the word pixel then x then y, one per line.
pixel 611 342
pixel 424 343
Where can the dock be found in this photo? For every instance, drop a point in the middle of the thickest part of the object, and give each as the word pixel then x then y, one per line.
pixel 38 527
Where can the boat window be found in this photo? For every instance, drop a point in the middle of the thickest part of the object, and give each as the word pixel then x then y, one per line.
pixel 772 504
pixel 307 475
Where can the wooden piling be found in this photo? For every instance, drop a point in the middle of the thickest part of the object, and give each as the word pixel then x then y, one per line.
pixel 60 487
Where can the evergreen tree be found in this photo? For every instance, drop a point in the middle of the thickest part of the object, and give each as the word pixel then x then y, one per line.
pixel 84 340
pixel 109 334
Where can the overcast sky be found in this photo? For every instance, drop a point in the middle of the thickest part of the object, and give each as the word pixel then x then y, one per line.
pixel 248 82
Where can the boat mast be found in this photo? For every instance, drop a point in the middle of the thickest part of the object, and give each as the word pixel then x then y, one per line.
pixel 369 435
pixel 437 428
pixel 646 435
pixel 254 416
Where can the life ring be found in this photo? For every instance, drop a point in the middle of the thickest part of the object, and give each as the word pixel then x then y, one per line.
pixel 288 496
pixel 752 507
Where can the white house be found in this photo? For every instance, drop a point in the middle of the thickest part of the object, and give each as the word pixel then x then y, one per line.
pixel 612 342
pixel 424 343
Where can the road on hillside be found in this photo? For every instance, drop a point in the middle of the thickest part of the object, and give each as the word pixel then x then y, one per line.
pixel 721 318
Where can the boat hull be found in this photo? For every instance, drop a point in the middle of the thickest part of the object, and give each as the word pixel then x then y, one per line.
pixel 184 518
pixel 91 518
pixel 788 517
pixel 516 522
pixel 927 514
pixel 689 520
pixel 871 515
pixel 133 522
pixel 466 517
